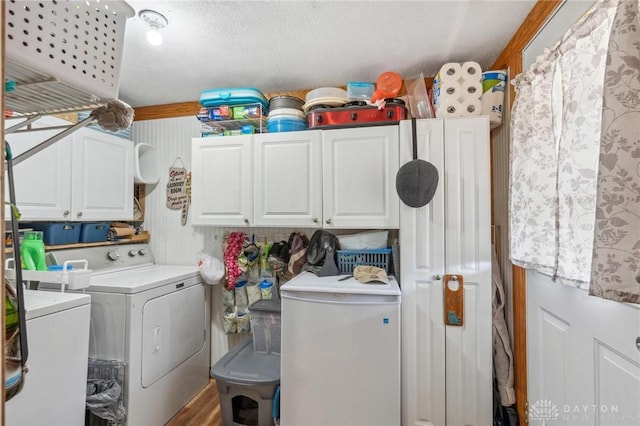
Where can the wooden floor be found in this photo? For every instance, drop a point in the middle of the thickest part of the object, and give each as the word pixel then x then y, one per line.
pixel 202 410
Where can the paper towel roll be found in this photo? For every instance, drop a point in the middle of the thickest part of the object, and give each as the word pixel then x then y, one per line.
pixel 449 90
pixel 471 107
pixel 450 71
pixel 449 108
pixel 471 71
pixel 471 90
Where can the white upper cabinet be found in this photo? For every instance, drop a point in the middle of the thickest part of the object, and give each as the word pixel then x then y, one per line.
pixel 221 181
pixel 359 174
pixel 88 175
pixel 343 178
pixel 102 176
pixel 288 179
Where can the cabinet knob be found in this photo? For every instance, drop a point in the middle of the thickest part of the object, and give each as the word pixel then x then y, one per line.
pixel 79 214
pixel 65 213
pixel 315 220
pixel 246 221
pixel 328 221
pixel 113 255
pixel 437 277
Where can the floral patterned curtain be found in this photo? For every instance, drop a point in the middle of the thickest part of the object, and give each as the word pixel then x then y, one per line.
pixel 615 270
pixel 563 165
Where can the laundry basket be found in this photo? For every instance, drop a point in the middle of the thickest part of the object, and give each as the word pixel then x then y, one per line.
pixel 349 259
pixel 63 54
pixel 106 372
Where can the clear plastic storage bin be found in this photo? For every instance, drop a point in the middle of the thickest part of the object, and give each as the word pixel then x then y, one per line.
pixel 265 325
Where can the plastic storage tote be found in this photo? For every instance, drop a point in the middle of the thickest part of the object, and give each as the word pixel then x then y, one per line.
pixel 94 232
pixel 349 259
pixel 247 382
pixel 59 232
pixel 265 325
pixel 233 96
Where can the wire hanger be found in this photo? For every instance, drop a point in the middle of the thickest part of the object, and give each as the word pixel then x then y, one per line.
pixel 178 159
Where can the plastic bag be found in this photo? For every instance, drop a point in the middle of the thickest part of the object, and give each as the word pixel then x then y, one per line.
pixel 103 399
pixel 211 269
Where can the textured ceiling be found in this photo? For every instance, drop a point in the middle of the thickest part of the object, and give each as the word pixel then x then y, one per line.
pixel 298 45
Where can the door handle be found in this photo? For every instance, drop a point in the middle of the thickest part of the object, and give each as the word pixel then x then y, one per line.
pixel 156 340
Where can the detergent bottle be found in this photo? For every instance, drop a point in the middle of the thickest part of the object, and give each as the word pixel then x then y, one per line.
pixel 32 251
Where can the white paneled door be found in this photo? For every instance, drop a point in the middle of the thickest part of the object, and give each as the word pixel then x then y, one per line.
pixel 583 357
pixel 447 369
pixel 583 352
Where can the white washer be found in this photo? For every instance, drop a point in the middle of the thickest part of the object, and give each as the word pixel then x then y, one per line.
pixel 155 318
pixel 58 341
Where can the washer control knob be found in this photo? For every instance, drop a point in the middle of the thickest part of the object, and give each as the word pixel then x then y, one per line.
pixel 113 255
pixel 133 252
pixel 142 251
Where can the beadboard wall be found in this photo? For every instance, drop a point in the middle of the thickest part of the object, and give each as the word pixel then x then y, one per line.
pixel 500 140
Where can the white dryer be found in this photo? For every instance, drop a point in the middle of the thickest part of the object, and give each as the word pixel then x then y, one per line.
pixel 154 318
pixel 58 340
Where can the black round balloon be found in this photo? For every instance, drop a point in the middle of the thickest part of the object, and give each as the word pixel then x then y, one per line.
pixel 416 183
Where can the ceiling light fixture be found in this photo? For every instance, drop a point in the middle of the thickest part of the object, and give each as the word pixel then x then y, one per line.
pixel 156 22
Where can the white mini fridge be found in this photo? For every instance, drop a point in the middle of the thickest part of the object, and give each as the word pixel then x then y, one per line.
pixel 340 359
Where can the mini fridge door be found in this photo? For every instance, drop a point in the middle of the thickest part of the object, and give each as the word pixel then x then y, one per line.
pixel 340 355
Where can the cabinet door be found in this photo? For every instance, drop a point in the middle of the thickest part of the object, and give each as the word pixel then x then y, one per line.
pixel 102 176
pixel 288 179
pixel 221 181
pixel 42 182
pixel 359 171
pixel 450 235
pixel 422 267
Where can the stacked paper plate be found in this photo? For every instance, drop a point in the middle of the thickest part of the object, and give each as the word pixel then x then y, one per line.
pixel 330 96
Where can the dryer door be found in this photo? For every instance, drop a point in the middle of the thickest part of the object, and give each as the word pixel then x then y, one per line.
pixel 173 329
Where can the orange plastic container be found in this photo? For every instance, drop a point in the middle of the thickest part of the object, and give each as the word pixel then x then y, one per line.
pixel 388 85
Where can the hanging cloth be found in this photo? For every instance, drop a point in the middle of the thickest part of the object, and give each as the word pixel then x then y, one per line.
pixel 532 201
pixel 581 65
pixel 554 152
pixel 502 352
pixel 615 269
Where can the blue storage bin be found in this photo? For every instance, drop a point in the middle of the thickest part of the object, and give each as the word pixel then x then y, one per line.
pixel 360 91
pixel 94 232
pixel 233 96
pixel 56 233
pixel 285 125
pixel 349 259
